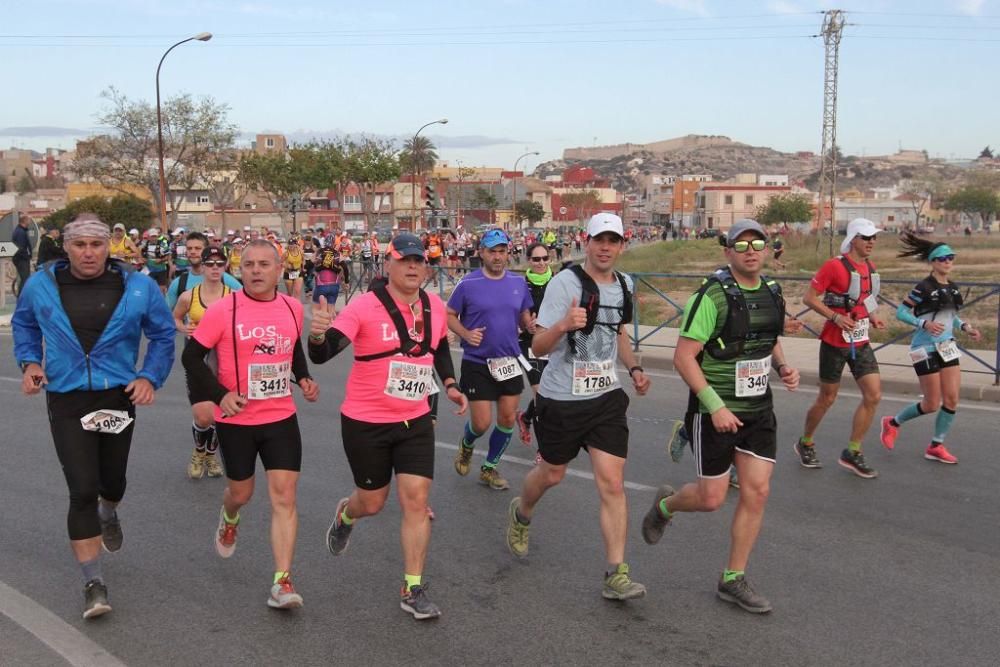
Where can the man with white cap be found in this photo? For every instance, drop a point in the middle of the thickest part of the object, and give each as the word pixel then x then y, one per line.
pixel 581 403
pixel 845 292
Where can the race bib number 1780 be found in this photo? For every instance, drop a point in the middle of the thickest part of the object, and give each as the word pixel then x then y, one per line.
pixel 593 377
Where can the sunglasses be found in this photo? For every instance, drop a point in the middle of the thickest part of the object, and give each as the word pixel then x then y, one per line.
pixel 945 258
pixel 542 258
pixel 866 238
pixel 217 263
pixel 743 246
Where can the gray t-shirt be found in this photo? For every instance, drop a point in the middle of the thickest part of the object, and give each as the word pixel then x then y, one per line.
pixel 600 345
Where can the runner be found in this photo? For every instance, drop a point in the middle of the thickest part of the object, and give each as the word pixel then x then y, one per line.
pixel 122 246
pixel 932 307
pixel 330 273
pixel 159 262
pixel 581 403
pixel 235 258
pixel 434 253
pixel 537 275
pixel 178 252
pixel 399 333
pixel 726 362
pixel 294 261
pixel 194 247
pixel 845 291
pixel 310 248
pixel 85 316
pixel 256 335
pixel 485 310
pixel 190 308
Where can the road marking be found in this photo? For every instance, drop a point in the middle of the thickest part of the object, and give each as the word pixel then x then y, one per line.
pixel 75 647
pixel 530 463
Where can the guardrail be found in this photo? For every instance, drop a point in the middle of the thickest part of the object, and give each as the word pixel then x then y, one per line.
pixel 643 280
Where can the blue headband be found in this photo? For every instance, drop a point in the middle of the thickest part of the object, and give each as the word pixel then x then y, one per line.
pixel 940 251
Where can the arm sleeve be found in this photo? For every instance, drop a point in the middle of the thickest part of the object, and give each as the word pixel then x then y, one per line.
pixel 334 343
pixel 159 327
pixel 300 367
pixel 904 313
pixel 442 360
pixel 202 383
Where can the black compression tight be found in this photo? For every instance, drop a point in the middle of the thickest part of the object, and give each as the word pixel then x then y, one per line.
pixel 94 465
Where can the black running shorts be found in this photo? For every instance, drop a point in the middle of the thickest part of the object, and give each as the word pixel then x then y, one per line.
pixel 714 451
pixel 933 364
pixel 374 451
pixel 832 360
pixel 478 385
pixel 279 445
pixel 564 427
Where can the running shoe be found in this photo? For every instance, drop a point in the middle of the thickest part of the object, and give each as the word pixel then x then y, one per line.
pixel 196 468
pixel 213 466
pixel 524 428
pixel 618 585
pixel 807 455
pixel 463 459
pixel 654 522
pixel 734 478
pixel 338 535
pixel 430 513
pixel 678 441
pixel 415 601
pixel 95 599
pixel 283 595
pixel 517 532
pixel 936 451
pixel 740 592
pixel 111 533
pixel 855 462
pixel 889 433
pixel 225 535
pixel 491 478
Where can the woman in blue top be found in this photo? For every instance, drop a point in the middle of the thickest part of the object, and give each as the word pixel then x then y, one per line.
pixel 932 307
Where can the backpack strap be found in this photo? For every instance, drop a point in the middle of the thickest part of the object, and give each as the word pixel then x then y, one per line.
pixel 407 346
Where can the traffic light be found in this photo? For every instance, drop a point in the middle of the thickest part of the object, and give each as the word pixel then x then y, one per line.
pixel 430 194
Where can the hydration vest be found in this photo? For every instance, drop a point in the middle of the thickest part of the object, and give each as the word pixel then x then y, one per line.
pixel 407 346
pixel 736 331
pixel 590 300
pixel 853 296
pixel 939 297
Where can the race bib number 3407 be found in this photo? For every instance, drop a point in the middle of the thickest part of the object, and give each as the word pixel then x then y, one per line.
pixel 751 376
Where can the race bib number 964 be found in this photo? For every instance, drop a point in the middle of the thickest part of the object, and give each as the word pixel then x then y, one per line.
pixel 106 421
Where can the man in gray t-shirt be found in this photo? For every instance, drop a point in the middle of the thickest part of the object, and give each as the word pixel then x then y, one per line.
pixel 581 403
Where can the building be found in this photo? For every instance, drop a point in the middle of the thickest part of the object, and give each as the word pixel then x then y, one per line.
pixel 269 143
pixel 719 205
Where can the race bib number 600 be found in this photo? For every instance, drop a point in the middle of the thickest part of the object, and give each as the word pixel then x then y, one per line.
pixel 751 377
pixel 593 377
pixel 859 334
pixel 269 381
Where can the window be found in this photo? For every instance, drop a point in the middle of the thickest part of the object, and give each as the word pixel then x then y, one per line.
pixel 202 199
pixel 269 142
pixel 728 200
pixel 891 218
pixel 749 200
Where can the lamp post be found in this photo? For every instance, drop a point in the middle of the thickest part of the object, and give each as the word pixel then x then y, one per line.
pixel 413 170
pixel 513 201
pixel 458 214
pixel 201 37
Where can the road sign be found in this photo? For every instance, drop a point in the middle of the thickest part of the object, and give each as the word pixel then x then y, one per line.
pixel 563 210
pixel 8 249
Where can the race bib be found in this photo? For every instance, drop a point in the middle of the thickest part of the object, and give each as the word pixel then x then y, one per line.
pixel 293 275
pixel 593 377
pixel 504 368
pixel 918 355
pixel 751 377
pixel 461 253
pixel 948 350
pixel 411 382
pixel 871 303
pixel 269 381
pixel 859 334
pixel 106 421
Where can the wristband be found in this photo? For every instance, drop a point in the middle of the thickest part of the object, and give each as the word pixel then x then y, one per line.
pixel 453 385
pixel 315 338
pixel 710 399
pixel 778 367
pixel 634 369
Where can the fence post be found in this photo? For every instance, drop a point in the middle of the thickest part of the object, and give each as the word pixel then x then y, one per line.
pixel 635 313
pixel 441 278
pixel 996 344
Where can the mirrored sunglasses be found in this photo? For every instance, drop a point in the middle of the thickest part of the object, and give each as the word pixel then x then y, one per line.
pixel 743 246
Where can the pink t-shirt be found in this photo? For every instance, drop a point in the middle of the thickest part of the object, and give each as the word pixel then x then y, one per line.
pixel 367 324
pixel 265 334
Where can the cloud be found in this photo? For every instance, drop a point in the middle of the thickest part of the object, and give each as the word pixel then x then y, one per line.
pixel 42 131
pixel 970 7
pixel 692 6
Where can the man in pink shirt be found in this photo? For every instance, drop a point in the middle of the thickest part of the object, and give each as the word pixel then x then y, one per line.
pixel 255 334
pixel 400 337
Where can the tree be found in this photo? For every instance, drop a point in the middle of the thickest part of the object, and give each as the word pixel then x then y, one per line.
pixel 975 201
pixel 484 199
pixel 282 177
pixel 418 155
pixel 532 211
pixel 986 153
pixel 195 132
pixel 3 184
pixel 129 210
pixel 920 192
pixel 368 163
pixel 24 185
pixel 584 203
pixel 785 208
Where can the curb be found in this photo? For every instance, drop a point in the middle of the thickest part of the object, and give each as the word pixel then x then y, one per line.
pixel 988 394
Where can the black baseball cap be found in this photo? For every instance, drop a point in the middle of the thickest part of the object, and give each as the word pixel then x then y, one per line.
pixel 406 245
pixel 213 252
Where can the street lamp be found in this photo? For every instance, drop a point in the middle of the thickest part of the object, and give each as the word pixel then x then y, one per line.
pixel 413 170
pixel 513 204
pixel 201 37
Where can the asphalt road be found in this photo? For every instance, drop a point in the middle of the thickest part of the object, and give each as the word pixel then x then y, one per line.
pixel 899 570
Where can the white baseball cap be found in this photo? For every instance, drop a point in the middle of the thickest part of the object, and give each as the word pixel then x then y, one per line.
pixel 858 227
pixel 605 222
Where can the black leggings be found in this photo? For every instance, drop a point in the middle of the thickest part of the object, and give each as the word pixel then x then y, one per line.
pixel 94 465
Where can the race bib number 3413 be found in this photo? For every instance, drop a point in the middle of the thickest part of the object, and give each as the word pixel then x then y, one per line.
pixel 269 381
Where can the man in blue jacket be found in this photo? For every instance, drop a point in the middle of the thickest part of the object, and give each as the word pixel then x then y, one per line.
pixel 85 317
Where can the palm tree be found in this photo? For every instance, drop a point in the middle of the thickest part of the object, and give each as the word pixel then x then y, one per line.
pixel 418 155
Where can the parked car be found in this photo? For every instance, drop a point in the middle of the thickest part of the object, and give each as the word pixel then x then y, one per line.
pixel 708 233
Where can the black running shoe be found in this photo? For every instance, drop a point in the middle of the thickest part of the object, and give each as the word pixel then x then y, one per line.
pixel 416 602
pixel 111 533
pixel 739 591
pixel 338 535
pixel 855 462
pixel 95 599
pixel 807 455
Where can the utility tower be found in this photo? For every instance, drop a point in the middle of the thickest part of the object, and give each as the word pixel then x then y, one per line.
pixel 833 28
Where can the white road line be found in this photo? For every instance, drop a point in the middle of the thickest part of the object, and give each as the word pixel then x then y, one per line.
pixel 77 649
pixel 530 463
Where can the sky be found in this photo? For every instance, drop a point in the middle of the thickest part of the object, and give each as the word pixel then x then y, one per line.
pixel 517 76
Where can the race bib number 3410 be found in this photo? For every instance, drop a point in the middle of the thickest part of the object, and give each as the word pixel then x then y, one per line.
pixel 269 381
pixel 411 382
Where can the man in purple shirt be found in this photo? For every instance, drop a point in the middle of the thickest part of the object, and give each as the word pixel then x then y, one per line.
pixel 485 311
